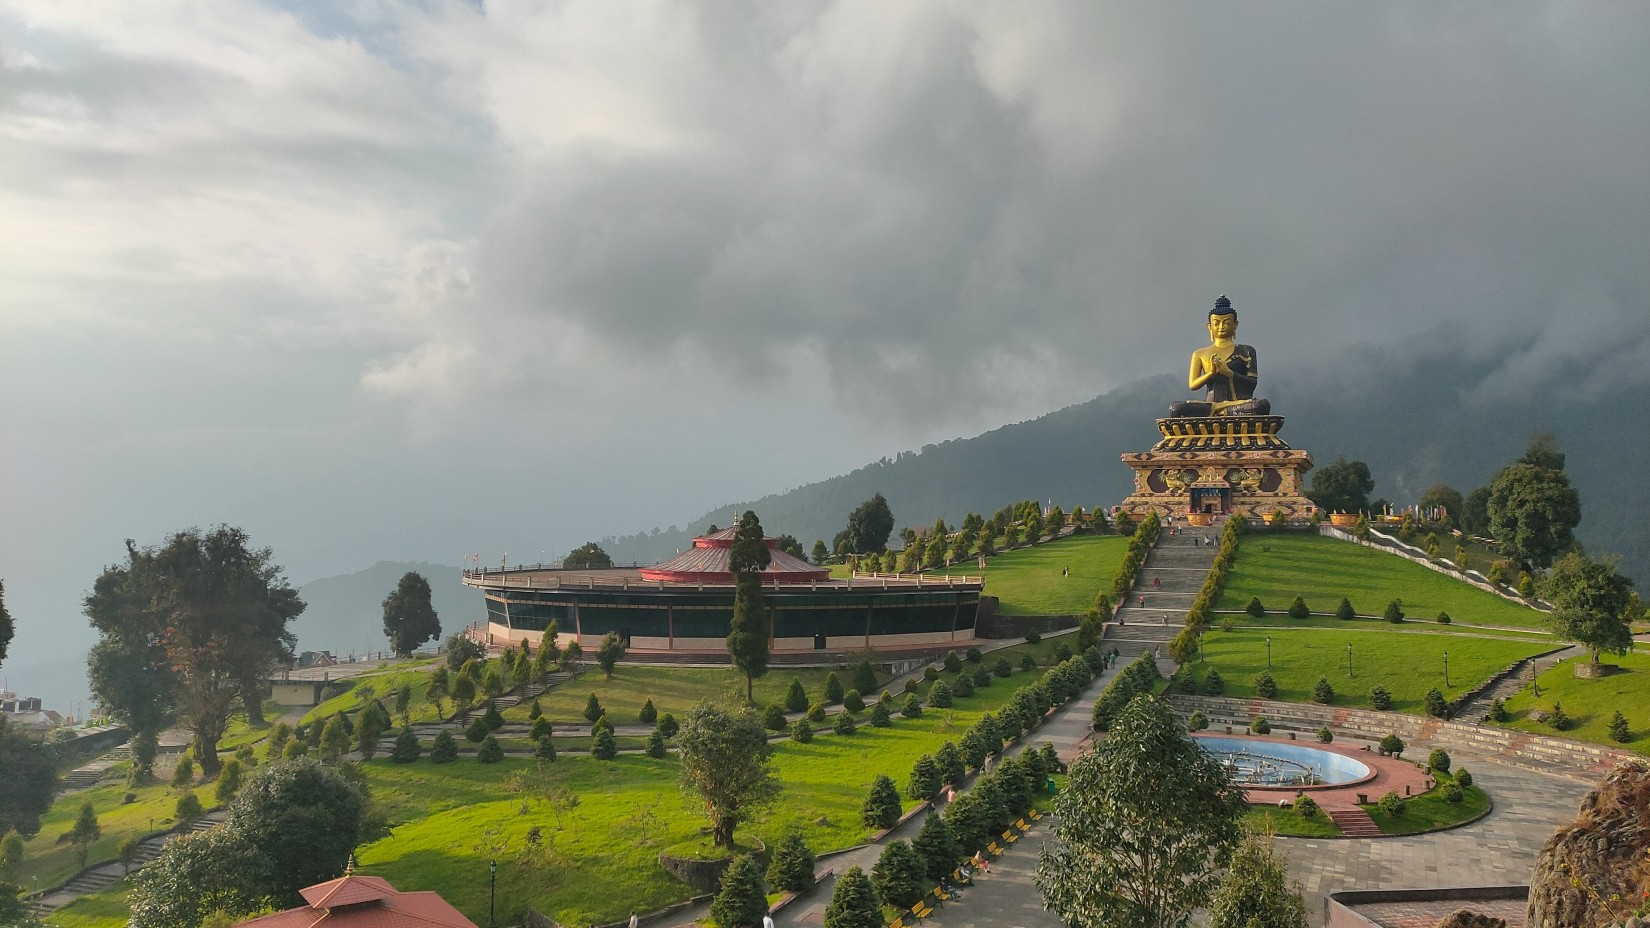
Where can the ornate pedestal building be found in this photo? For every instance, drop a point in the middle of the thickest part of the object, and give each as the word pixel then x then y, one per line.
pixel 1220 455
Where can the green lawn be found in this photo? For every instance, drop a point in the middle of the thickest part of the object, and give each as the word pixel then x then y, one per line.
pixel 1591 703
pixel 1429 811
pixel 1287 823
pixel 105 909
pixel 1028 581
pixel 602 860
pixel 383 685
pixel 1406 663
pixel 674 690
pixel 52 863
pixel 1362 623
pixel 1279 567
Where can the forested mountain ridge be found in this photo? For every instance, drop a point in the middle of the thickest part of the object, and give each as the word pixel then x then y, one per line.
pixel 1437 409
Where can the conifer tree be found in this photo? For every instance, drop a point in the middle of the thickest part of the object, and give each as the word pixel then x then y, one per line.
pixel 748 634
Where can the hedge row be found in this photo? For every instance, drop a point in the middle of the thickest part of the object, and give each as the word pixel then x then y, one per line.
pixel 1201 612
pixel 1140 545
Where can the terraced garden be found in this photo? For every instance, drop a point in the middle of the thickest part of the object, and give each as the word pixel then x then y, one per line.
pixel 1591 703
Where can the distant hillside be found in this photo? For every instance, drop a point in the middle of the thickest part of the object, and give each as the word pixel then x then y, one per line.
pixel 1431 411
pixel 346 613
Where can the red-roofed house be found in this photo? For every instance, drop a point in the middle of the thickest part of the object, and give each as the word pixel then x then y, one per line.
pixel 364 902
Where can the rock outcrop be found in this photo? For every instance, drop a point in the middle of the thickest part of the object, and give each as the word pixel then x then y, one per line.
pixel 1595 871
pixel 1466 918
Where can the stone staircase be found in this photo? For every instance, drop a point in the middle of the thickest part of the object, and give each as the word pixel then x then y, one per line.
pixel 1354 822
pixel 1478 707
pixel 1155 610
pixel 104 875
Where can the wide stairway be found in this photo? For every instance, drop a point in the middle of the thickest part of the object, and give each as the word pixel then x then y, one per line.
pixel 1164 587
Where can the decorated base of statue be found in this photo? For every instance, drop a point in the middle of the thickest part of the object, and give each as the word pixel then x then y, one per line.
pixel 1220 465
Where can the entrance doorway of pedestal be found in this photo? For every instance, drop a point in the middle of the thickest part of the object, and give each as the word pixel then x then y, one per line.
pixel 1212 500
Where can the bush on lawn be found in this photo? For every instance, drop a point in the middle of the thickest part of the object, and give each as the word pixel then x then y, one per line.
pixel 1439 760
pixel 1437 706
pixel 1392 805
pixel 1307 807
pixel 1322 692
pixel 882 806
pixel 1298 609
pixel 792 868
pixel 1265 686
pixel 1345 610
pixel 444 750
pixel 801 731
pixel 1255 608
pixel 490 752
pixel 1260 726
pixel 1391 746
pixel 1380 698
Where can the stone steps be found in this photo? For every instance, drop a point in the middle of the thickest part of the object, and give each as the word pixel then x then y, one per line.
pixel 1354 822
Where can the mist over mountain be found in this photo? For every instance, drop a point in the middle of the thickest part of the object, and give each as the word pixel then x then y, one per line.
pixel 1439 408
pixel 346 613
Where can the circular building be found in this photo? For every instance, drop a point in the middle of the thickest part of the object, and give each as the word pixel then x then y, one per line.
pixel 685 605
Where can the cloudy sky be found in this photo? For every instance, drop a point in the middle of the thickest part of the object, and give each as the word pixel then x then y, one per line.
pixel 384 281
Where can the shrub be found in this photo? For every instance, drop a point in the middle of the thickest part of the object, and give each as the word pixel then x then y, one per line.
pixel 1392 805
pixel 445 748
pixel 1027 662
pixel 1498 711
pixel 1391 746
pixel 953 766
pixel 188 810
pixel 801 731
pixel 845 724
pixel 1322 692
pixel 925 778
pixel 1443 618
pixel 911 685
pixel 648 715
pixel 833 690
pixel 592 708
pixel 1619 731
pixel 1463 778
pixel 490 752
pixel 816 713
pixel 1197 721
pixel 1265 686
pixel 184 773
pixel 865 678
pixel 1307 807
pixel 973 655
pixel 668 726
pixel 1380 698
pixel 880 716
pixel 1557 719
pixel 1325 735
pixel 541 728
pixel 792 868
pixel 1439 760
pixel 964 686
pixel 535 710
pixel 477 730
pixel 939 695
pixel 740 902
pixel 1345 610
pixel 912 707
pixel 1298 609
pixel 1394 612
pixel 882 806
pixel 980 677
pixel 1526 586
pixel 546 749
pixel 1437 706
pixel 930 674
pixel 1213 685
pixel 407 749
pixel 656 744
pixel 1260 726
pixel 603 746
pixel 853 702
pixel 1255 608
pixel 1034 636
pixel 1062 652
pixel 796 698
pixel 1453 792
pixel 952 663
pixel 229 781
pixel 1002 668
pixel 900 876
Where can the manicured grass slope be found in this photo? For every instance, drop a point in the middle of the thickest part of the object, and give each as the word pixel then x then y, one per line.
pixel 1028 581
pixel 1285 822
pixel 1406 663
pixel 52 863
pixel 1429 811
pixel 1278 567
pixel 105 909
pixel 603 860
pixel 1591 703
pixel 674 690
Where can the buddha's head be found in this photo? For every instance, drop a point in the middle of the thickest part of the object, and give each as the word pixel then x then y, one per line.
pixel 1222 320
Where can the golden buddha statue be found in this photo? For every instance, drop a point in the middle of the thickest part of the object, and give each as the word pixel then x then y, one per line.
pixel 1225 369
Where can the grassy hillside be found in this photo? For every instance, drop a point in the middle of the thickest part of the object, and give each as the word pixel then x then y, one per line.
pixel 1028 581
pixel 1406 662
pixel 1279 567
pixel 1591 703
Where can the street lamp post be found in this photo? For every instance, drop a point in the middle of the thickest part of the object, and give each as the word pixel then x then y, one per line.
pixel 1349 662
pixel 1446 669
pixel 492 892
pixel 1268 652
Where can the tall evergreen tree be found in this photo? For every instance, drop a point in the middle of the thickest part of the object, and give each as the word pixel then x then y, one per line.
pixel 1257 892
pixel 6 629
pixel 740 903
pixel 748 634
pixel 409 619
pixel 853 903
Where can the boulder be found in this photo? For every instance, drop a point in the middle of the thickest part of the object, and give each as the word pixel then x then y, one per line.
pixel 1596 870
pixel 1467 918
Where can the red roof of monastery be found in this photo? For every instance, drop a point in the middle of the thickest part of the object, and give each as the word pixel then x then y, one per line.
pixel 364 902
pixel 707 562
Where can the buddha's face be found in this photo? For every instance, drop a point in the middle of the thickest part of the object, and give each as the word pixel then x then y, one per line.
pixel 1223 326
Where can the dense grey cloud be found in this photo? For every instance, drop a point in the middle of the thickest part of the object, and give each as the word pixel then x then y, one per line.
pixel 338 272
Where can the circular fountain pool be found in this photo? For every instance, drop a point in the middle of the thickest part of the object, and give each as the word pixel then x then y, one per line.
pixel 1263 764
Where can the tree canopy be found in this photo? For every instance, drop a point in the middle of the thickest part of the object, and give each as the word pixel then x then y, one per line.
pixel 6 630
pixel 1445 497
pixel 409 619
pixel 28 768
pixel 588 556
pixel 1146 821
pixel 1257 891
pixel 1590 600
pixel 1533 510
pixel 748 632
pixel 195 622
pixel 868 528
pixel 1343 486
pixel 724 760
